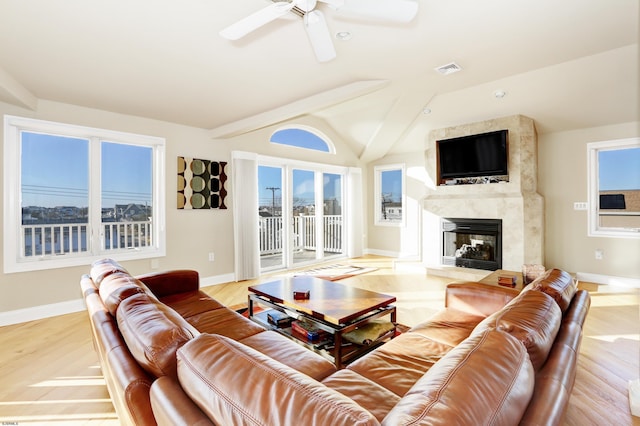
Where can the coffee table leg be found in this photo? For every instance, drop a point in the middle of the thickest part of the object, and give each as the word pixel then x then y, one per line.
pixel 337 337
pixel 250 305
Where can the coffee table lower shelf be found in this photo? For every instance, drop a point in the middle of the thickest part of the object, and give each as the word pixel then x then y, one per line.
pixel 331 345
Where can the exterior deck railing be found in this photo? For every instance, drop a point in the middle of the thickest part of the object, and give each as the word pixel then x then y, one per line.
pixel 68 238
pixel 304 231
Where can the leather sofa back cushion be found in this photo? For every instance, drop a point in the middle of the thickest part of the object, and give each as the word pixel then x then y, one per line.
pixel 103 268
pixel 236 385
pixel 487 379
pixel 533 318
pixel 116 287
pixel 153 333
pixel 557 284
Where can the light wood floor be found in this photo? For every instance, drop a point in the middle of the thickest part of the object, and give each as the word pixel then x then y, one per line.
pixel 49 373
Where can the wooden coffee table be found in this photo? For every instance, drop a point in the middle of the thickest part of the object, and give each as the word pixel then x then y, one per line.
pixel 334 308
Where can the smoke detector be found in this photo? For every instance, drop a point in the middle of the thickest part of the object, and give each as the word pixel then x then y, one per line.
pixel 449 68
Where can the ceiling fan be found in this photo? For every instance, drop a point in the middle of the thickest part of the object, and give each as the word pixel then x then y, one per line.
pixel 314 22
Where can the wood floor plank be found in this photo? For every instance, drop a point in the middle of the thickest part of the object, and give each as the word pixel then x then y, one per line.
pixel 49 371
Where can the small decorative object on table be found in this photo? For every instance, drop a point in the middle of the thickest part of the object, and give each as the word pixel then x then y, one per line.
pixel 279 319
pixel 369 333
pixel 307 330
pixel 301 295
pixel 507 280
pixel 530 272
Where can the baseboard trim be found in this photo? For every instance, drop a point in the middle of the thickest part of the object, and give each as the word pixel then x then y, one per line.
pixel 608 280
pixel 216 280
pixel 399 256
pixel 55 309
pixel 39 312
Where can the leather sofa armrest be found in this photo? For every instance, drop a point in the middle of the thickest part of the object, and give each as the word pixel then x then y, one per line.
pixel 478 298
pixel 166 283
pixel 171 406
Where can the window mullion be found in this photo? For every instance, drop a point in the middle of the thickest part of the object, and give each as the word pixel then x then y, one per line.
pixel 95 197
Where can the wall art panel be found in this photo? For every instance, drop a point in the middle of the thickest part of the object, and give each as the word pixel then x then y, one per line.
pixel 201 184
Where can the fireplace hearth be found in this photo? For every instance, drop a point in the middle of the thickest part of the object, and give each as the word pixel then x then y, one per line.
pixel 472 243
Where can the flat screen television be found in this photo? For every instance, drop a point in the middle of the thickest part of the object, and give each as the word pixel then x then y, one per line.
pixel 485 154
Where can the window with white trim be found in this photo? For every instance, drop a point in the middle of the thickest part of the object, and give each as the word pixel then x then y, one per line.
pixel 389 195
pixel 614 188
pixel 74 194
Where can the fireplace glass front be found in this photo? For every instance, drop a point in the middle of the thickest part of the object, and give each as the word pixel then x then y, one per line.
pixel 472 243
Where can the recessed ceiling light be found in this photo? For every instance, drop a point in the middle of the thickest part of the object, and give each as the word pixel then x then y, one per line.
pixel 499 94
pixel 426 111
pixel 343 35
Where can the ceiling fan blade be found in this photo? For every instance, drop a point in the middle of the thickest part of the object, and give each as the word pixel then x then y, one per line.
pixel 387 10
pixel 256 20
pixel 319 36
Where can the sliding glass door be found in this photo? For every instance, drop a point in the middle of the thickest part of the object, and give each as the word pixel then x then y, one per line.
pixel 332 219
pixel 300 216
pixel 270 221
pixel 303 216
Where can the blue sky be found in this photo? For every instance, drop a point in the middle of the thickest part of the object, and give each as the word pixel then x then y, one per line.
pixel 303 182
pixel 391 183
pixel 57 174
pixel 300 138
pixel 619 169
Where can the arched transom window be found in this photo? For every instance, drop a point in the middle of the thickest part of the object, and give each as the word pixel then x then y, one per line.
pixel 303 137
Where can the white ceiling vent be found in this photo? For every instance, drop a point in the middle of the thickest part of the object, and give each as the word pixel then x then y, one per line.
pixel 449 68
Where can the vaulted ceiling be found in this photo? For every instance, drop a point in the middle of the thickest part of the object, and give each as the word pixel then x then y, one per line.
pixel 567 64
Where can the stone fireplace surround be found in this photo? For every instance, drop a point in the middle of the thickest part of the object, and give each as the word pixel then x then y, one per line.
pixel 516 202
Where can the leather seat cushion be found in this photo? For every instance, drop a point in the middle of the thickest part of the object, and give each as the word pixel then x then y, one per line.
pixel 225 322
pixel 398 364
pixel 487 379
pixel 234 384
pixel 153 333
pixel 369 395
pixel 290 353
pixel 449 326
pixel 191 303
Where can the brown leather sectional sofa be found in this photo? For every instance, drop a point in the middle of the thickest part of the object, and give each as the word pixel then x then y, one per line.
pixel 173 355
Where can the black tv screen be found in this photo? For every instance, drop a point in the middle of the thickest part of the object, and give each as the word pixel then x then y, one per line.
pixel 473 156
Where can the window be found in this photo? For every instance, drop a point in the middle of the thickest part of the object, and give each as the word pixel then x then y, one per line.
pixel 74 194
pixel 303 137
pixel 614 188
pixel 389 195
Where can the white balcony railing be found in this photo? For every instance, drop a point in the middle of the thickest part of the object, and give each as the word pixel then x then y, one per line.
pixel 67 238
pixel 304 234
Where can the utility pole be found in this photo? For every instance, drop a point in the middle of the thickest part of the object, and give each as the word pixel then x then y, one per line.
pixel 273 190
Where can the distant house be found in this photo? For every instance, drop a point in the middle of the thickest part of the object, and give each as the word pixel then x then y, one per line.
pixel 392 211
pixel 132 212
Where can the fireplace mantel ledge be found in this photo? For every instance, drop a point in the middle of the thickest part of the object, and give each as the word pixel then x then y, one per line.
pixel 486 196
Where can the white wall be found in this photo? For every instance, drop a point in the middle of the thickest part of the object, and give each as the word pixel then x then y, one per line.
pixel 191 234
pixel 562 180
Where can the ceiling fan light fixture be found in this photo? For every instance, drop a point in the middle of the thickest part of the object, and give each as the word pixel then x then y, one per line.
pixel 314 23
